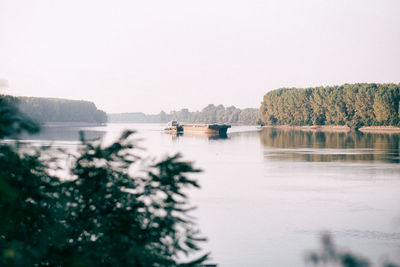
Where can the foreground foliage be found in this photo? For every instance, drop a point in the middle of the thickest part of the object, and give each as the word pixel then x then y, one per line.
pixel 116 209
pixel 354 105
pixel 330 255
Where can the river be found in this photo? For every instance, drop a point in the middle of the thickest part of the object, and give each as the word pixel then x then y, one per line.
pixel 266 195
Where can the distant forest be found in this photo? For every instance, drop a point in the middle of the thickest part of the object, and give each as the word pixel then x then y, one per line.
pixel 209 114
pixel 355 105
pixel 57 110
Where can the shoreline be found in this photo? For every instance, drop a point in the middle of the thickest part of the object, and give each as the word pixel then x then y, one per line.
pixel 337 128
pixel 70 123
pixel 380 129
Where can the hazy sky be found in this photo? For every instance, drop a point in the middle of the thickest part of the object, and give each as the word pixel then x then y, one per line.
pixel 168 54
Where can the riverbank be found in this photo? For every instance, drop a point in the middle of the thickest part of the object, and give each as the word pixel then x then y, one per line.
pixel 337 128
pixel 380 129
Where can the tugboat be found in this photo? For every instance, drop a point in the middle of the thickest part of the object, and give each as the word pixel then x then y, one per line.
pixel 174 127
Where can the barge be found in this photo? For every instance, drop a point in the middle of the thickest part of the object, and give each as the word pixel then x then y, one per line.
pixel 209 129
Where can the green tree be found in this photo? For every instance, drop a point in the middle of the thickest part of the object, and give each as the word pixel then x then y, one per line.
pixel 351 104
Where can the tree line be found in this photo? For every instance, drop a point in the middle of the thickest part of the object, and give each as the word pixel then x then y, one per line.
pixel 355 105
pixel 43 109
pixel 209 114
pixel 135 117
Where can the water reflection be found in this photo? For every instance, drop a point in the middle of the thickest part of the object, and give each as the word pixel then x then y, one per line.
pixel 64 132
pixel 327 146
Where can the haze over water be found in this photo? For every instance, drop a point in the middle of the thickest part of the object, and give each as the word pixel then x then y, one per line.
pixel 267 195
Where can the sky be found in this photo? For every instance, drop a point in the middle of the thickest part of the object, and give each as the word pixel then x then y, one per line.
pixel 147 56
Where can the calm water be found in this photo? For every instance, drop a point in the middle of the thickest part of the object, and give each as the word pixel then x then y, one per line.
pixel 267 195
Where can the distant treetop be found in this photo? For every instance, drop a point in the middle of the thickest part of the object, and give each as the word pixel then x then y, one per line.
pixel 209 114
